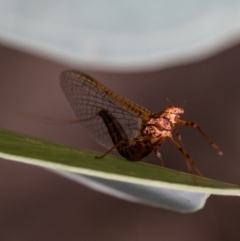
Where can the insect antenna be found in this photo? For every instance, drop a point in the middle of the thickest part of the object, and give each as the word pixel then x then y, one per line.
pixel 169 101
pixel 184 103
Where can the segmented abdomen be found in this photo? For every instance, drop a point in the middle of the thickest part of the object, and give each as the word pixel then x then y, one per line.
pixel 132 152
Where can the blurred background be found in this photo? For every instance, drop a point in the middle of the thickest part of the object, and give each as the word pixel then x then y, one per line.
pixel 147 52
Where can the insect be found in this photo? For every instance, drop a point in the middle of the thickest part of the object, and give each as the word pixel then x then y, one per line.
pixel 118 123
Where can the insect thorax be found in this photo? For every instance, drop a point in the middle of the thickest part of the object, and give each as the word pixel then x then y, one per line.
pixel 160 125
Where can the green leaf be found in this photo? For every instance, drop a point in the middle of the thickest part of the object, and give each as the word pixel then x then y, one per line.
pixel 111 169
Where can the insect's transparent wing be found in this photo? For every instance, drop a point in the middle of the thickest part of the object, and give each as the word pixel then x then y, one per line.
pixel 87 97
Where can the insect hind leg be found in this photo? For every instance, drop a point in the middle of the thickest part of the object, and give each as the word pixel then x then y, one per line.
pixel 125 141
pixel 122 142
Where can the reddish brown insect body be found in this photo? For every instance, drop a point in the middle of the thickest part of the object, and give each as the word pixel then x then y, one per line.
pixel 118 123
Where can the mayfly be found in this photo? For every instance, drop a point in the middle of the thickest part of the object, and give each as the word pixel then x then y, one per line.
pixel 118 123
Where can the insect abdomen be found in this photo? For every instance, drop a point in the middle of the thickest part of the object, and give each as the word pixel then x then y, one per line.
pixel 131 152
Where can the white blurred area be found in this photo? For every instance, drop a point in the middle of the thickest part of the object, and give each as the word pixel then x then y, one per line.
pixel 127 35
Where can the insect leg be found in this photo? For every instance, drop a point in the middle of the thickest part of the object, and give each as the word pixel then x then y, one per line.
pixel 179 137
pixel 126 141
pixel 195 125
pixel 158 154
pixel 189 161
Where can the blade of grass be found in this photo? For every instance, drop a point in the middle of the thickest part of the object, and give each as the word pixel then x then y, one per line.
pixel 30 150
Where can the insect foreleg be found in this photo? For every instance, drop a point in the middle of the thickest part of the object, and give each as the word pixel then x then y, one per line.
pixel 195 125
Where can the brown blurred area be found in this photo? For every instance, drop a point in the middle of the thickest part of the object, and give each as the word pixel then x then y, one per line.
pixel 38 205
